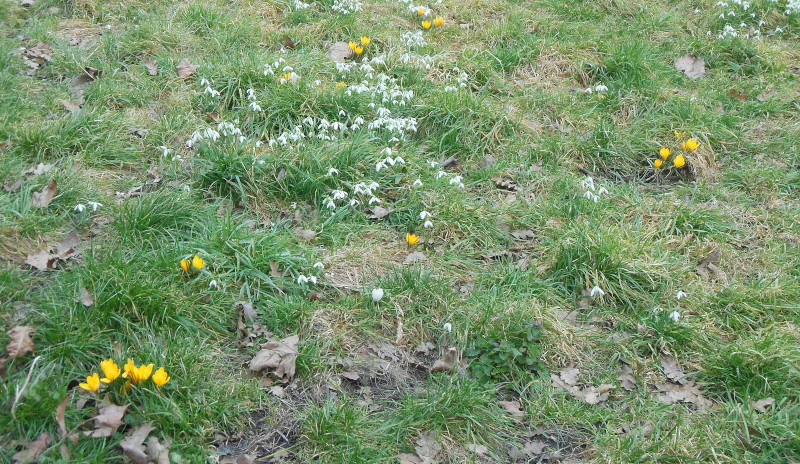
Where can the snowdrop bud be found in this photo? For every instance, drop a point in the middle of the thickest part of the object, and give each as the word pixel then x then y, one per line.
pixel 675 315
pixel 596 291
pixel 681 294
pixel 448 327
pixel 377 294
pixel 417 183
pixel 427 225
pixel 212 284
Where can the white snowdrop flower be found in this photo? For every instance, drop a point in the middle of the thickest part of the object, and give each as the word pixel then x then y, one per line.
pixel 211 92
pixel 379 165
pixel 319 265
pixel 399 160
pixel 448 327
pixel 424 215
pixel 302 279
pixel 587 183
pixel 328 203
pixel 591 196
pixel 212 284
pixel 441 174
pixel 588 90
pixel 258 144
pixel 675 315
pixel 450 88
pixel 455 180
pixel 383 112
pixel 205 82
pixel 332 171
pixel 394 139
pixel 80 208
pixel 251 94
pixel 308 121
pixel 374 200
pixel 681 294
pixel 342 113
pixel 386 151
pixel 389 160
pixel 596 291
pixel 177 158
pixel 358 120
pixel 268 71
pixel 601 88
pixel 287 69
pixel 164 151
pixel 337 126
pixel 317 82
pixel 312 279
pixel 372 186
pixel 255 106
pixel 428 224
pixel 186 188
pixel 94 205
pixel 339 194
pixel 602 191
pixel 354 202
pixel 377 294
pixel 417 183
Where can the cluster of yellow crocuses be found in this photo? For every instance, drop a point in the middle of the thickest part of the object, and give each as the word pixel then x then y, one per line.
pixel 196 262
pixel 359 47
pixel 437 21
pixel 688 145
pixel 133 375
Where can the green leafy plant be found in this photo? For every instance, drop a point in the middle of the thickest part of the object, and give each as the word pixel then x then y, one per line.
pixel 507 355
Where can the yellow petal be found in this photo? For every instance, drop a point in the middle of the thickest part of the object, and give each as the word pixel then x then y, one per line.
pixel 185 265
pixel 197 261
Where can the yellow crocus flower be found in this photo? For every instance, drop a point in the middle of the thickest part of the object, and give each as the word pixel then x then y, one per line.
pixel 438 22
pixel 136 375
pixel 160 377
pixel 421 11
pixel 197 262
pixel 679 135
pixel 359 50
pixel 352 44
pixel 426 24
pixel 92 383
pixel 110 370
pixel 657 163
pixel 665 152
pixel 341 84
pixel 365 40
pixel 679 161
pixel 185 263
pixel 412 239
pixel 690 145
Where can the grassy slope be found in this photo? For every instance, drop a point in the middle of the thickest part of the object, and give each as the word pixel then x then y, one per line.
pixel 526 62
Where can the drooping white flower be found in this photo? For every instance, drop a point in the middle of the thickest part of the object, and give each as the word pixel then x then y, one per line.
pixel 80 208
pixel 681 294
pixel 374 200
pixel 596 291
pixel 94 205
pixel 319 265
pixel 332 171
pixel 424 215
pixel 212 284
pixel 427 225
pixel 377 294
pixel 417 183
pixel 675 315
pixel 448 327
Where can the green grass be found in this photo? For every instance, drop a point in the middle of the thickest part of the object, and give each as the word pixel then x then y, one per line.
pixel 519 112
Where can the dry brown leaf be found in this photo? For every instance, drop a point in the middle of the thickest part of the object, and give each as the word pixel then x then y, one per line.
pixel 570 376
pixel 534 447
pixel 38 170
pixel 70 105
pixel 626 378
pixel 290 44
pixel 41 260
pixel 379 212
pixel 506 184
pixel 522 234
pixel 427 448
pixel 595 395
pixel 86 298
pixel 340 51
pixel 278 355
pixel 158 453
pixel 408 458
pixel 448 362
pixel 186 69
pixel 20 342
pixel 689 393
pixel 152 66
pixel 672 370
pixel 305 234
pixel 513 407
pixel 60 411
pixel 12 186
pixel 741 96
pixel 414 257
pixel 691 66
pixel 762 405
pixel 42 199
pixel 107 421
pixel 37 56
pixel 349 375
pixel 89 74
pixel 476 448
pixel 32 449
pixel 133 444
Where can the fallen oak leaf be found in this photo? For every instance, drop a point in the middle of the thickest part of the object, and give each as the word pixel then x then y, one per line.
pixel 186 69
pixel 12 186
pixel 340 51
pixel 86 298
pixel 43 198
pixel 379 212
pixel 133 444
pixel 33 449
pixel 414 257
pixel 278 355
pixel 152 66
pixel 626 378
pixel 594 395
pixel 38 170
pixel 691 65
pixel 290 44
pixel 762 405
pixel 673 371
pixel 107 421
pixel 570 376
pixel 20 342
pixel 447 363
pixel 513 407
pixel 70 105
pixel 158 453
